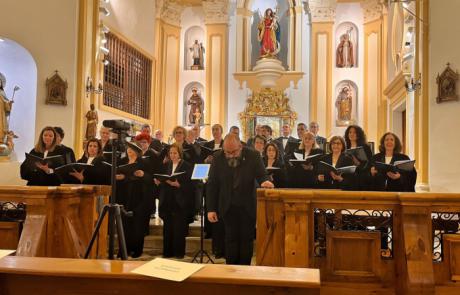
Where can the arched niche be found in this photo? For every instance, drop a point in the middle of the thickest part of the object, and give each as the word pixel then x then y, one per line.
pixel 20 69
pixel 187 94
pixel 345 103
pixel 346 56
pixel 258 7
pixel 192 34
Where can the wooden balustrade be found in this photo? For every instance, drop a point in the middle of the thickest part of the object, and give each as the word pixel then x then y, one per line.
pixel 59 220
pixel 376 242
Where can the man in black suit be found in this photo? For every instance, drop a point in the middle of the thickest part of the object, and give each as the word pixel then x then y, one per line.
pixel 68 153
pixel 258 131
pixel 287 142
pixel 231 196
pixel 321 141
pixel 267 132
pixel 196 132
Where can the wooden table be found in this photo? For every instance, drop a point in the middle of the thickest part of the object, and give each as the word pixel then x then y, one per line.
pixel 31 275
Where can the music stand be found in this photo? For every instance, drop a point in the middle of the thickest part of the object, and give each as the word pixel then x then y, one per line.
pixel 200 173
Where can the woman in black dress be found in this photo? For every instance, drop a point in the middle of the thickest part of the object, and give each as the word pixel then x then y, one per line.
pixel 134 193
pixel 175 201
pixel 304 175
pixel 38 173
pixel 275 165
pixel 356 138
pixel 337 159
pixel 390 151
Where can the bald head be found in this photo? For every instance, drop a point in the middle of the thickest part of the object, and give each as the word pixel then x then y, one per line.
pixel 232 146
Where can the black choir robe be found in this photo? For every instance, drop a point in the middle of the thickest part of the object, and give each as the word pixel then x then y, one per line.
pixel 174 209
pixel 329 183
pixel 299 177
pixel 37 176
pixel 382 182
pixel 362 179
pixel 278 177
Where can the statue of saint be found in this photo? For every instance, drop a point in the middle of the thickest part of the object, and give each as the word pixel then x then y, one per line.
pixel 344 105
pixel 196 108
pixel 91 123
pixel 5 110
pixel 269 34
pixel 344 53
pixel 197 50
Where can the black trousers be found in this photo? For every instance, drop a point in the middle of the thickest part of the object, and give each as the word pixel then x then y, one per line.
pixel 175 228
pixel 218 239
pixel 239 236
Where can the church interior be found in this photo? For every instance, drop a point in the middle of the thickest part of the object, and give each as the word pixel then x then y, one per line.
pixel 383 68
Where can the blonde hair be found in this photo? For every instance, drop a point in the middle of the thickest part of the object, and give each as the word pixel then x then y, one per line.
pixel 315 144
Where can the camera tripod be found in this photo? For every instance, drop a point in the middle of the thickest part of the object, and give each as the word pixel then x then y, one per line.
pixel 114 212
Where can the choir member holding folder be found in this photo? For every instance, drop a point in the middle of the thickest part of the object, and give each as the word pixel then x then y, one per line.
pixel 329 174
pixel 38 168
pixel 274 165
pixel 302 162
pixel 175 201
pixel 88 169
pixel 214 145
pixel 392 170
pixel 134 193
pixel 361 154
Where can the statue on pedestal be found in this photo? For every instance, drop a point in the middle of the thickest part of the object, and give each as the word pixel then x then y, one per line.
pixel 197 50
pixel 344 53
pixel 91 123
pixel 269 34
pixel 196 108
pixel 344 104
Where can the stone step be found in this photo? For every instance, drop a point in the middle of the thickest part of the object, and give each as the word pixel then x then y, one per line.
pixel 153 245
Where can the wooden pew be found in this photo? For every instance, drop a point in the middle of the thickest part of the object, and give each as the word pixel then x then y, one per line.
pixel 26 275
pixel 375 242
pixel 59 220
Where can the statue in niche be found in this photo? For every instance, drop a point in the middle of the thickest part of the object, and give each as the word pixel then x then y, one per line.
pixel 195 102
pixel 269 34
pixel 344 105
pixel 5 110
pixel 91 123
pixel 344 53
pixel 197 50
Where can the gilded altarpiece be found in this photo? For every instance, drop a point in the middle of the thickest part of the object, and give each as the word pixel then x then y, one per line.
pixel 267 107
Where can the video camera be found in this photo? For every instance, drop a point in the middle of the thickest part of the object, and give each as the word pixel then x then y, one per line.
pixel 118 125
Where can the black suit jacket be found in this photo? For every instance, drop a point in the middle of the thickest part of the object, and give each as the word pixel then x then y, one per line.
pixel 404 184
pixel 69 155
pixel 291 144
pixel 321 141
pixel 226 185
pixel 329 183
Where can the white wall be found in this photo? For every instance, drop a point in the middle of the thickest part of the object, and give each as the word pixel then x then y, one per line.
pixel 444 162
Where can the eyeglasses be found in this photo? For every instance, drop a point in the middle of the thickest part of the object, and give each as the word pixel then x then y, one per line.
pixel 232 153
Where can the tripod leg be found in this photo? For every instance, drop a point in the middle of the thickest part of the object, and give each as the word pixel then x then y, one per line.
pixel 121 234
pixel 96 230
pixel 111 232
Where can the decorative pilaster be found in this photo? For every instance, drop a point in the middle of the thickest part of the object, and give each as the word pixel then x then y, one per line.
pixel 216 20
pixel 243 23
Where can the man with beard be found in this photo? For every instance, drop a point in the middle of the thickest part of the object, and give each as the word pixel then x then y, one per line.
pixel 231 196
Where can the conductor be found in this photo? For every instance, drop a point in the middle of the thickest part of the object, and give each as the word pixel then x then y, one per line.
pixel 231 196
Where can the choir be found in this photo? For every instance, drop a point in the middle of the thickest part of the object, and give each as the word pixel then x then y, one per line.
pixel 149 168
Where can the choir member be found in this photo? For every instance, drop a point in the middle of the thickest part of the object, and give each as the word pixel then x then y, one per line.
pixel 196 132
pixel 314 128
pixel 175 201
pixel 356 138
pixel 337 159
pixel 301 129
pixel 69 155
pixel 217 141
pixel 275 166
pixel 104 134
pixel 236 130
pixel 155 144
pixel 38 173
pixel 258 131
pixel 189 154
pixel 303 175
pixel 98 173
pixel 389 152
pixel 286 142
pixel 259 144
pixel 134 193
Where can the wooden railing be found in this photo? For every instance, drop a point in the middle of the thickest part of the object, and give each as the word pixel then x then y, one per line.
pixel 386 243
pixel 26 275
pixel 59 220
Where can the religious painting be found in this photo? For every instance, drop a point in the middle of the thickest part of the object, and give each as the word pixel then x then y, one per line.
pixel 345 103
pixel 56 90
pixel 447 85
pixel 346 52
pixel 194 104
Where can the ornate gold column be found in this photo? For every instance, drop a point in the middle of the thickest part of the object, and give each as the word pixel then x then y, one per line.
pixel 216 19
pixel 421 103
pixel 322 21
pixel 167 49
